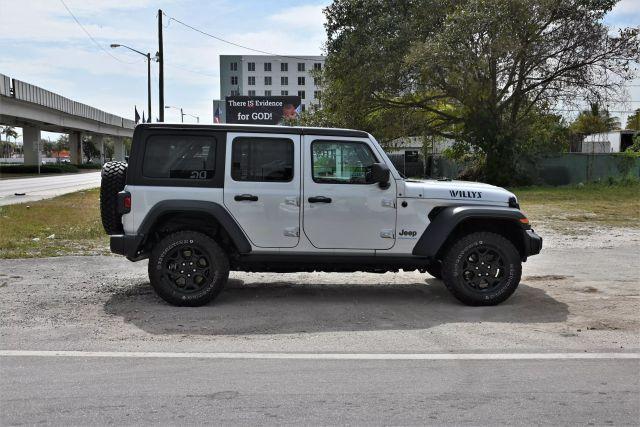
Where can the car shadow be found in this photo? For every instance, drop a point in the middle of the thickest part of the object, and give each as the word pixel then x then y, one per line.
pixel 288 307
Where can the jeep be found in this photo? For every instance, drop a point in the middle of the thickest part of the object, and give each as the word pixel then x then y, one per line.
pixel 202 200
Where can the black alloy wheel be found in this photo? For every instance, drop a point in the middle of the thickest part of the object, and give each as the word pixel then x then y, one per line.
pixel 188 268
pixel 482 268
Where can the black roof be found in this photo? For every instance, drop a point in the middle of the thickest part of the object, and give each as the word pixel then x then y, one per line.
pixel 299 130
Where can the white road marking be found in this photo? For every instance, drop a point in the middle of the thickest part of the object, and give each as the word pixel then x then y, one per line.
pixel 323 356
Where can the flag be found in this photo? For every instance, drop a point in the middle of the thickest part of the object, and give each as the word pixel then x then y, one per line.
pixel 216 115
pixel 136 116
pixel 143 119
pixel 299 109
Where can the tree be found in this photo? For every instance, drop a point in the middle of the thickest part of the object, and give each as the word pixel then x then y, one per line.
pixel 8 131
pixel 633 121
pixel 594 120
pixel 478 71
pixel 89 149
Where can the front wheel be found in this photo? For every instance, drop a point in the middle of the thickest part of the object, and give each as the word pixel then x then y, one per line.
pixel 188 268
pixel 482 268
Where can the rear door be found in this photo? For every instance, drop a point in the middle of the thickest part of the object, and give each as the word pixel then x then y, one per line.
pixel 262 187
pixel 342 211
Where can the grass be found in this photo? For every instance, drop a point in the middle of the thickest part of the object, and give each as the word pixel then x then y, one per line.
pixel 65 225
pixel 73 220
pixel 615 205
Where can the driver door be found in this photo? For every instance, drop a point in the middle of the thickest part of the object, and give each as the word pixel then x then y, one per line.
pixel 342 210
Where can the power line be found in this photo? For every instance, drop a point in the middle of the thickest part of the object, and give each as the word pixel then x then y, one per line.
pixel 230 42
pixel 91 37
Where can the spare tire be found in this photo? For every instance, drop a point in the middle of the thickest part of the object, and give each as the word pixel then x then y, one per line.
pixel 114 175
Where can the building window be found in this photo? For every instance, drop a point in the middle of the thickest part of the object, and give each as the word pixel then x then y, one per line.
pixel 267 66
pixel 251 80
pixel 284 66
pixel 233 66
pixel 317 66
pixel 300 66
pixel 301 94
pixel 284 92
pixel 235 92
pixel 317 81
pixel 251 93
pixel 267 80
pixel 300 81
pixel 317 94
pixel 262 159
pixel 234 80
pixel 267 93
pixel 302 107
pixel 251 66
pixel 284 81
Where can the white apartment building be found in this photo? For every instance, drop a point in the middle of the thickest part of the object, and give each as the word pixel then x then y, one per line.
pixel 266 75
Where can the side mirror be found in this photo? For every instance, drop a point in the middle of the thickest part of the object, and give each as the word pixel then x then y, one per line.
pixel 379 173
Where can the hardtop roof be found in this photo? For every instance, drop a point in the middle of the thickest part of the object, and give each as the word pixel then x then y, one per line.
pixel 299 130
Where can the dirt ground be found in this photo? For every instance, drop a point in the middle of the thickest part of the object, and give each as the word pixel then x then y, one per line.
pixel 581 294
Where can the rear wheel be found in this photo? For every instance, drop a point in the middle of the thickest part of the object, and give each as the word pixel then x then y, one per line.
pixel 482 268
pixel 188 268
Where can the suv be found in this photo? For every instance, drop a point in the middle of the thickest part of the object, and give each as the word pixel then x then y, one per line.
pixel 201 200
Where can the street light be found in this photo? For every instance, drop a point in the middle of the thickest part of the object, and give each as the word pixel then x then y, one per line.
pixel 182 113
pixel 148 56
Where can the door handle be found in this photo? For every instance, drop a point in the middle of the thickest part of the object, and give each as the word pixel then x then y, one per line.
pixel 247 197
pixel 319 199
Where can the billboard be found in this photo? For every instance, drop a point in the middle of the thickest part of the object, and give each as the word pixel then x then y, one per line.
pixel 261 110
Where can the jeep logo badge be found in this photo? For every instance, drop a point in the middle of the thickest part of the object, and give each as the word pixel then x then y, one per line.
pixel 407 234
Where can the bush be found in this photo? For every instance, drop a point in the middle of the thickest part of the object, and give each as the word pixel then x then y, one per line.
pixel 50 168
pixel 89 166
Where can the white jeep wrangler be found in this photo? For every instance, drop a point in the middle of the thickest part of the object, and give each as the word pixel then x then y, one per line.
pixel 202 200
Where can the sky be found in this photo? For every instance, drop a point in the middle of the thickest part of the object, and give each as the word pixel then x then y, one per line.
pixel 43 45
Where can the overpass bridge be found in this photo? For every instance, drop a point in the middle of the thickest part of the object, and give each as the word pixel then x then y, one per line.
pixel 35 109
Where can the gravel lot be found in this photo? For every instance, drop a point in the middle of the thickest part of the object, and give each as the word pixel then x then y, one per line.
pixel 580 294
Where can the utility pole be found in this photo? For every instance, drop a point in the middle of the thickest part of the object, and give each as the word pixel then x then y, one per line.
pixel 160 68
pixel 149 86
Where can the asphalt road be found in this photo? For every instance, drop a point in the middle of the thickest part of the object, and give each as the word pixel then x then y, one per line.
pixel 84 340
pixel 168 391
pixel 38 188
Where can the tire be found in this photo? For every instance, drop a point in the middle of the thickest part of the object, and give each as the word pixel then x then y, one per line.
pixel 435 269
pixel 114 175
pixel 188 249
pixel 482 254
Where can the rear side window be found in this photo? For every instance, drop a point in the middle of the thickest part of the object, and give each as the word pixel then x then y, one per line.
pixel 262 159
pixel 180 157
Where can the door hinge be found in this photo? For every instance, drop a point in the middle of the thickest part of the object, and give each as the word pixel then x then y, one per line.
pixel 389 203
pixel 292 232
pixel 292 201
pixel 387 233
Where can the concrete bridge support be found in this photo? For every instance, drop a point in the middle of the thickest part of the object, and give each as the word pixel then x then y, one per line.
pixel 75 148
pixel 98 142
pixel 118 149
pixel 31 143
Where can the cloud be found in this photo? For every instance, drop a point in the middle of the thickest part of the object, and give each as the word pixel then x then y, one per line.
pixel 301 17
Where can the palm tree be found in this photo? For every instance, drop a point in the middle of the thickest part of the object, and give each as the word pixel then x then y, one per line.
pixel 8 131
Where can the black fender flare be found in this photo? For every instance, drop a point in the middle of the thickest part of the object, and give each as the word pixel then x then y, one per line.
pixel 223 217
pixel 448 218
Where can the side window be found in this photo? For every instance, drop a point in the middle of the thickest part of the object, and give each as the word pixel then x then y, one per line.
pixel 262 159
pixel 341 162
pixel 179 157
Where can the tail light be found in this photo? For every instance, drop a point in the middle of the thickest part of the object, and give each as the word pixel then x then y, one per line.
pixel 124 202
